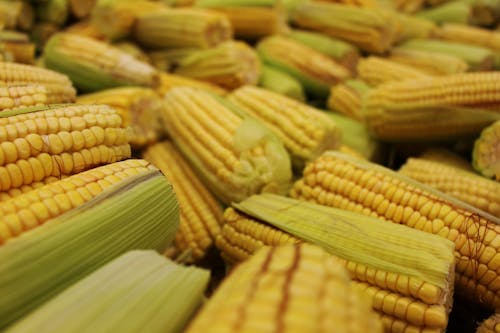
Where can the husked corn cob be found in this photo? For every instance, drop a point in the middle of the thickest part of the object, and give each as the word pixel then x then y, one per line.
pixel 430 62
pixel 169 81
pixel 371 29
pixel 344 53
pixel 339 181
pixel 466 186
pixel 138 107
pixel 478 58
pixel 16 15
pixel 93 65
pixel 228 65
pixel 27 95
pixel 281 82
pixel 486 152
pixel 139 212
pixel 298 288
pixel 16 47
pixel 182 27
pixel 81 8
pixel 32 209
pixel 376 70
pixel 347 98
pixel 86 28
pixel 201 215
pixel 446 157
pixel 359 242
pixel 116 18
pixel 53 11
pixel 453 11
pixel 39 142
pixel 490 325
pixel 305 131
pixel 235 156
pixel 436 108
pixel 164 293
pixel 316 71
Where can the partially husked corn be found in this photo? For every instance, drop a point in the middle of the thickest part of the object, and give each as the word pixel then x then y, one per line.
pixel 305 131
pixel 464 185
pixel 40 142
pixel 298 288
pixel 31 209
pixel 486 152
pixel 339 181
pixel 235 156
pixel 200 213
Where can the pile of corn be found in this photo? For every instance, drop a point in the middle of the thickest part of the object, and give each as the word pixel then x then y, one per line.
pixel 249 166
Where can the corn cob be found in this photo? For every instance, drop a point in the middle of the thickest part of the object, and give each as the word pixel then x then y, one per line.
pixel 200 212
pixel 17 15
pixel 93 65
pixel 229 65
pixel 342 182
pixel 41 33
pixel 166 294
pixel 16 47
pixel 182 27
pixel 355 136
pixel 451 12
pixel 410 27
pixel 438 108
pixel 371 29
pixel 81 8
pixel 139 212
pixel 116 18
pixel 447 157
pixel 347 98
pixel 490 325
pixel 133 49
pixel 429 62
pixel 86 28
pixel 466 186
pixel 28 95
pixel 53 11
pixel 279 81
pixel 235 156
pixel 40 142
pixel 486 153
pixel 32 209
pixel 287 289
pixel 314 70
pixel 139 108
pixel 478 58
pixel 359 242
pixel 305 131
pixel 342 52
pixel 169 81
pixel 376 70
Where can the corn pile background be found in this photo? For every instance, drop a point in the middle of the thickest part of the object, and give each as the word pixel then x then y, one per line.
pixel 250 166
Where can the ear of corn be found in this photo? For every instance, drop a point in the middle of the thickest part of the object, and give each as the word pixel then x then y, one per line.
pixel 93 65
pixel 490 325
pixel 139 109
pixel 486 152
pixel 347 98
pixel 359 241
pixel 466 186
pixel 478 58
pixel 305 131
pixel 447 157
pixel 436 108
pixel 151 292
pixel 376 70
pixel 430 62
pixel 339 181
pixel 344 53
pixel 229 65
pixel 234 155
pixel 140 212
pixel 16 47
pixel 316 71
pixel 28 95
pixel 453 11
pixel 54 11
pixel 371 29
pixel 200 213
pixel 182 27
pixel 40 142
pixel 288 288
pixel 410 27
pixel 169 81
pixel 281 82
pixel 81 8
